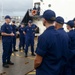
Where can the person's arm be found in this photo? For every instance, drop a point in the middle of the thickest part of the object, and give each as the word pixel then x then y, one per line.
pixel 3 32
pixel 36 27
pixel 40 51
pixel 24 31
pixel 37 61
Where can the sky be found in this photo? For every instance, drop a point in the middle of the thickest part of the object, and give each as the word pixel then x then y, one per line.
pixel 19 7
pixel 15 7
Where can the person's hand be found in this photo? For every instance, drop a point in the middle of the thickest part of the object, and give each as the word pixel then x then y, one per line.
pixel 12 34
pixel 24 33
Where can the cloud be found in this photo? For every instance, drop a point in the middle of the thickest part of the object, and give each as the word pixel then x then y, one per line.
pixel 15 7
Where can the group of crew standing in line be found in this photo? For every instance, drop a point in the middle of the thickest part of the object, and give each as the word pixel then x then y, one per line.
pixel 55 52
pixel 26 39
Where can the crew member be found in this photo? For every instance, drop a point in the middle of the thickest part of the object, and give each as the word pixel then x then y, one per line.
pixel 71 33
pixel 65 69
pixel 48 53
pixel 21 37
pixel 29 32
pixel 7 34
pixel 14 27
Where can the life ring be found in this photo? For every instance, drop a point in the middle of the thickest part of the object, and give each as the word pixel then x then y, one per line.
pixel 34 12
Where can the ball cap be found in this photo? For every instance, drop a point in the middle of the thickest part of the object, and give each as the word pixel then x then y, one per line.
pixel 70 23
pixel 74 19
pixel 49 15
pixel 13 21
pixel 7 17
pixel 60 20
pixel 30 21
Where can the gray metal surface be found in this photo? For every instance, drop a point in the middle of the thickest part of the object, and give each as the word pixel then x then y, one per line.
pixel 23 66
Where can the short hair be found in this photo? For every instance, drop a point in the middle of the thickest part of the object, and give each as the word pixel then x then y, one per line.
pixel 50 21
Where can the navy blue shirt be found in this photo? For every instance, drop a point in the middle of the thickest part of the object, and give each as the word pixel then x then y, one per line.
pixel 6 28
pixel 30 31
pixel 14 28
pixel 65 42
pixel 71 35
pixel 21 29
pixel 34 26
pixel 49 47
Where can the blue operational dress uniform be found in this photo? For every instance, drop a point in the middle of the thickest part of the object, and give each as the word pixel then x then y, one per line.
pixel 71 34
pixel 34 27
pixel 49 47
pixel 14 37
pixel 7 43
pixel 22 38
pixel 65 68
pixel 29 38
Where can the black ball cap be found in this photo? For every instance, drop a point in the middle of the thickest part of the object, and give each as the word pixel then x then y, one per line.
pixel 7 17
pixel 13 21
pixel 74 19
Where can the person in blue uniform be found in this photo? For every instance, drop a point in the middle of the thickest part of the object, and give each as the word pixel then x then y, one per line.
pixel 21 37
pixel 14 27
pixel 65 69
pixel 29 32
pixel 74 23
pixel 7 34
pixel 34 26
pixel 48 58
pixel 38 10
pixel 71 34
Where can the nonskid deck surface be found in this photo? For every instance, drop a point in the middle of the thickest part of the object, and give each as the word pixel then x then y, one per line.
pixel 23 66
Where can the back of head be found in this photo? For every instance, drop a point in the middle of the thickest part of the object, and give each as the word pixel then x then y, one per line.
pixel 59 22
pixel 49 16
pixel 70 23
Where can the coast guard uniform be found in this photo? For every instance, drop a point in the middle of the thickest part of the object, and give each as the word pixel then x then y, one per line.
pixel 49 47
pixel 71 34
pixel 22 38
pixel 29 38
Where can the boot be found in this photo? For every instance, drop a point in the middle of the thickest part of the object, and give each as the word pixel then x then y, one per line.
pixel 33 54
pixel 5 65
pixel 26 55
pixel 10 63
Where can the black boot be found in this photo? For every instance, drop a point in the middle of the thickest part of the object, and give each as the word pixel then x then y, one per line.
pixel 10 63
pixel 5 65
pixel 15 50
pixel 19 49
pixel 33 54
pixel 26 55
